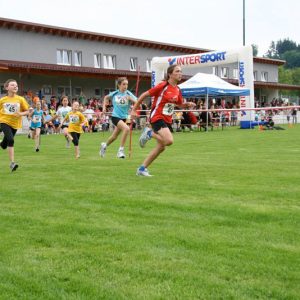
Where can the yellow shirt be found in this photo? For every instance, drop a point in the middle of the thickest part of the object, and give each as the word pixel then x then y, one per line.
pixel 75 121
pixel 10 106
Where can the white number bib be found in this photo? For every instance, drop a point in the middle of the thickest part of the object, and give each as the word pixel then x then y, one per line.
pixel 121 100
pixel 168 109
pixel 36 118
pixel 11 108
pixel 74 119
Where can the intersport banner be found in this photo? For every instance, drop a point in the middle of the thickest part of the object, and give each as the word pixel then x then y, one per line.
pixel 242 56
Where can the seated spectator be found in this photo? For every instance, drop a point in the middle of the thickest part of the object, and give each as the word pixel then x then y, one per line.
pixel 188 119
pixel 205 120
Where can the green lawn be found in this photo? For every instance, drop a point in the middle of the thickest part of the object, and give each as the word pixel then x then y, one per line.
pixel 218 220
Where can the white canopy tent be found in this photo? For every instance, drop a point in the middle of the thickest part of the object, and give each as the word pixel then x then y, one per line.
pixel 206 85
pixel 203 84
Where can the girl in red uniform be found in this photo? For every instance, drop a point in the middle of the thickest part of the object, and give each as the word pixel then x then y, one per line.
pixel 166 95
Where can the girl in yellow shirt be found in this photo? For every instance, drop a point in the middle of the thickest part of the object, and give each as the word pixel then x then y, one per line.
pixel 75 119
pixel 12 108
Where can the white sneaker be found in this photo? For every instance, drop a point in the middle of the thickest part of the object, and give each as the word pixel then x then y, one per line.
pixel 121 154
pixel 143 173
pixel 102 149
pixel 145 137
pixel 68 143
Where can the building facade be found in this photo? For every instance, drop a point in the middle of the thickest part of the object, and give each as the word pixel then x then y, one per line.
pixel 61 61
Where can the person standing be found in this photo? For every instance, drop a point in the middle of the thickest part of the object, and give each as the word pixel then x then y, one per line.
pixel 12 108
pixel 121 101
pixel 294 115
pixel 75 119
pixel 166 95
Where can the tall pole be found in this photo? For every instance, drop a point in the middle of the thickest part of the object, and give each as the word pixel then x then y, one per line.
pixel 244 38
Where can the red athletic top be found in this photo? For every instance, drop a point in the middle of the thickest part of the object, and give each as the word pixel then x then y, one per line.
pixel 166 97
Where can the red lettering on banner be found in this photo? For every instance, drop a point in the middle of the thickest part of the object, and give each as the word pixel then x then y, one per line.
pixel 189 60
pixel 242 102
pixel 180 60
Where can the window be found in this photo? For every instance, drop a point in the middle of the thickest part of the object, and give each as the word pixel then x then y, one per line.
pixel 255 75
pixel 264 76
pixel 78 58
pixel 97 60
pixel 148 64
pixel 63 91
pixel 2 90
pixel 107 91
pixel 215 70
pixel 235 73
pixel 109 61
pixel 97 92
pixel 77 91
pixel 47 90
pixel 224 72
pixel 64 57
pixel 133 63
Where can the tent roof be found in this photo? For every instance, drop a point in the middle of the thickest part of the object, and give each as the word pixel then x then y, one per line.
pixel 203 84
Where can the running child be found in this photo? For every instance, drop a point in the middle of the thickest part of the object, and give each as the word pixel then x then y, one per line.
pixel 121 100
pixel 36 117
pixel 166 95
pixel 12 108
pixel 61 113
pixel 75 119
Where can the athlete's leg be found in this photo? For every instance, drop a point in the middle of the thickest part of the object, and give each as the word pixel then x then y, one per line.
pixel 125 131
pixel 164 138
pixel 114 136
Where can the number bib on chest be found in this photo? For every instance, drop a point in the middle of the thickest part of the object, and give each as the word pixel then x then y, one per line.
pixel 37 118
pixel 168 109
pixel 121 100
pixel 11 108
pixel 74 119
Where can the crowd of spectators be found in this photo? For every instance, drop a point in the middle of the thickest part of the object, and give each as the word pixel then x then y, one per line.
pixel 97 121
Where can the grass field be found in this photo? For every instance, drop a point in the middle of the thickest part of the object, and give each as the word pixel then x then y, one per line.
pixel 218 220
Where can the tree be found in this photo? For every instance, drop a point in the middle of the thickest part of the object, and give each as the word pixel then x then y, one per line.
pixel 287 50
pixel 285 76
pixel 254 49
pixel 296 76
pixel 289 76
pixel 272 51
pixel 285 45
pixel 292 58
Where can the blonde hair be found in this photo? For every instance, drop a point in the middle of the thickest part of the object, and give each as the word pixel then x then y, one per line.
pixel 8 81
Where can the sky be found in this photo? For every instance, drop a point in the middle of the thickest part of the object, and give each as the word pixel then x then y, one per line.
pixel 210 24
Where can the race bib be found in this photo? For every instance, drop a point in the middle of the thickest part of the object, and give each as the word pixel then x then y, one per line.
pixel 37 118
pixel 121 100
pixel 74 119
pixel 168 109
pixel 11 108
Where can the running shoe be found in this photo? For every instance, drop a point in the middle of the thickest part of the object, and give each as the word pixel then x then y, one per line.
pixel 121 154
pixel 68 143
pixel 102 149
pixel 143 172
pixel 13 166
pixel 145 136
